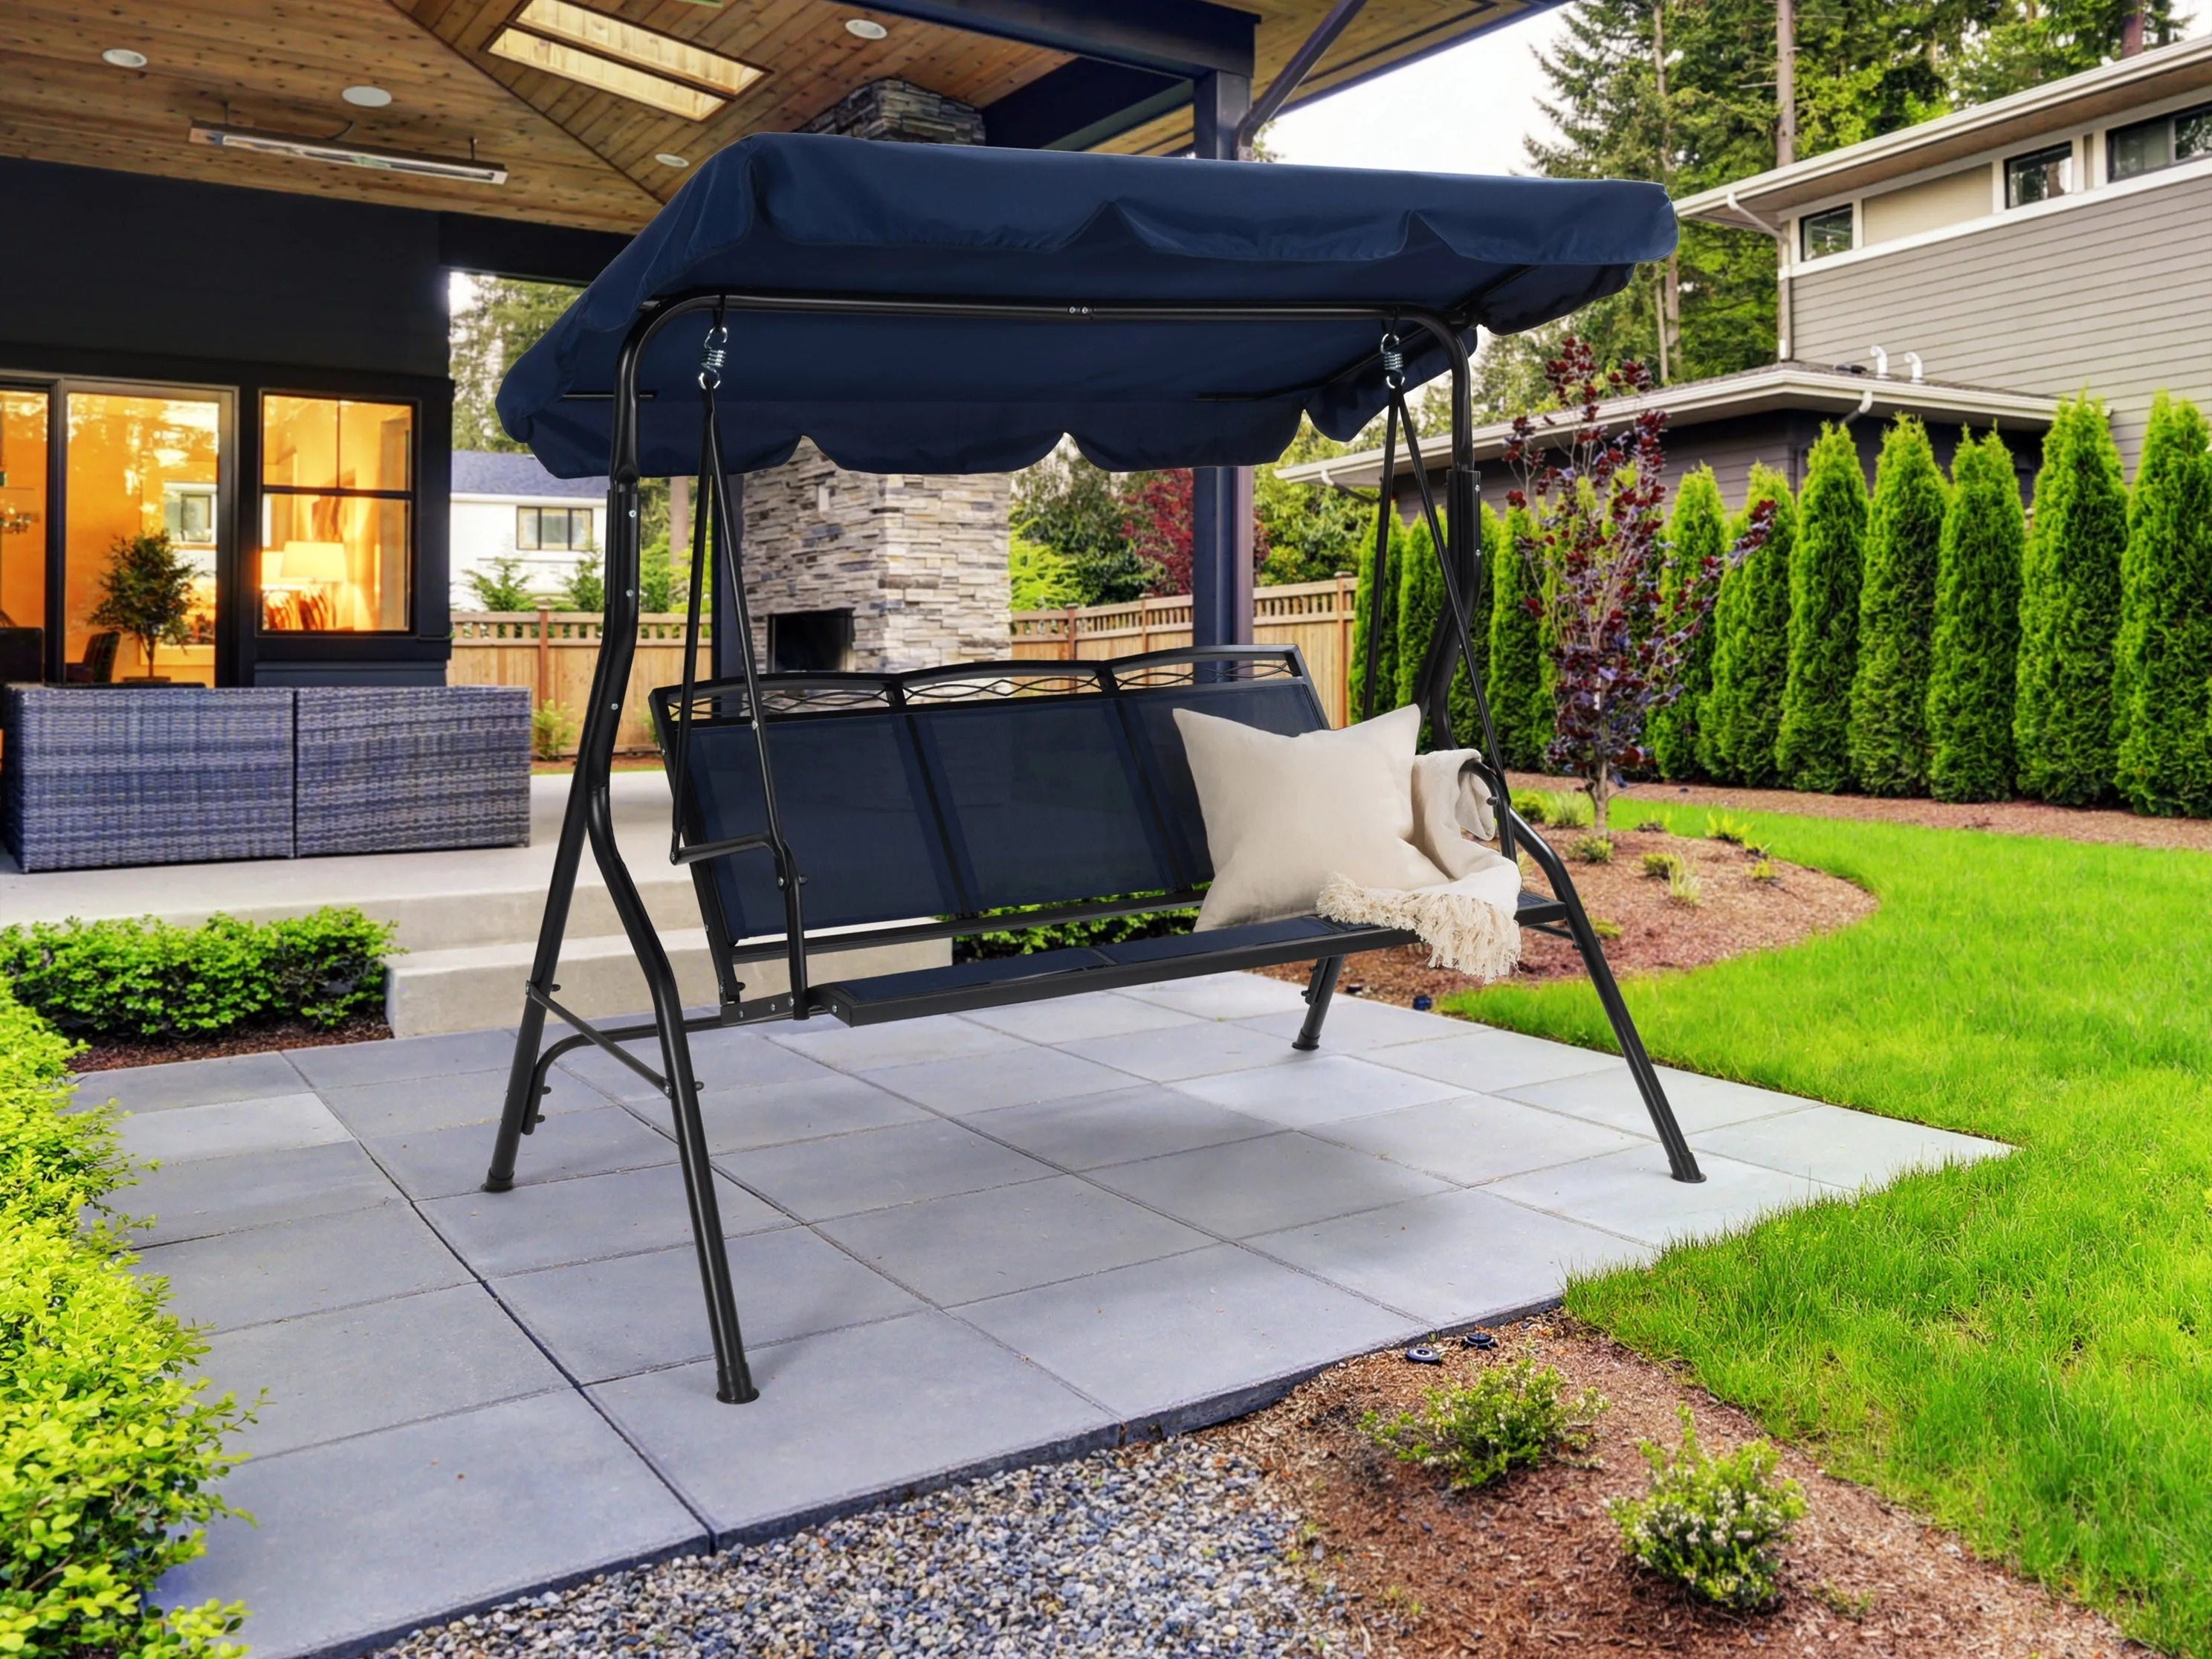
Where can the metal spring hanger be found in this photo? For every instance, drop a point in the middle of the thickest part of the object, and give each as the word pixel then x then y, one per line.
pixel 712 355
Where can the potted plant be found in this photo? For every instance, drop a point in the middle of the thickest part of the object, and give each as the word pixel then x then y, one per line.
pixel 146 591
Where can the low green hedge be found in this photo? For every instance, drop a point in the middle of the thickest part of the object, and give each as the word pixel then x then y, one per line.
pixel 106 1449
pixel 152 979
pixel 1101 930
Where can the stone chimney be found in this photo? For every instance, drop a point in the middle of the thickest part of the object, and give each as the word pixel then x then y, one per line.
pixel 878 571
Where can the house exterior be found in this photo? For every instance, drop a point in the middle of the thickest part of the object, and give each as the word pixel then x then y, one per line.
pixel 1971 271
pixel 2056 240
pixel 1771 415
pixel 508 506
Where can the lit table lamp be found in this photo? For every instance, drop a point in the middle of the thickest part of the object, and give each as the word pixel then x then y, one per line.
pixel 314 564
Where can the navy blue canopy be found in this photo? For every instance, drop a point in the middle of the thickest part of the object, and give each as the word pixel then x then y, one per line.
pixel 783 213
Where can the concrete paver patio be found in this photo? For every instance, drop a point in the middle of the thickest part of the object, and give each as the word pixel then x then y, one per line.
pixel 959 1243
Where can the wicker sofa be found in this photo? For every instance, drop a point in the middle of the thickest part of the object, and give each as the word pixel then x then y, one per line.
pixel 176 775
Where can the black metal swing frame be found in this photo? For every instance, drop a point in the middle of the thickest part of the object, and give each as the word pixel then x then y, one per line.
pixel 589 818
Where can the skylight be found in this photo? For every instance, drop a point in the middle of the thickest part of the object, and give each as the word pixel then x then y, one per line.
pixel 622 58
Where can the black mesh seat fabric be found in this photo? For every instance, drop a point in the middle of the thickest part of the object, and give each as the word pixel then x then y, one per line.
pixel 919 802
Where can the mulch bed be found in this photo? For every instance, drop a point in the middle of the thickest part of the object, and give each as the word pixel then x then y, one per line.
pixel 2014 818
pixel 109 1054
pixel 1534 1565
pixel 1734 913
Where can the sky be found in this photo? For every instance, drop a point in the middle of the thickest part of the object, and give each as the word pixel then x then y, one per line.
pixel 1466 110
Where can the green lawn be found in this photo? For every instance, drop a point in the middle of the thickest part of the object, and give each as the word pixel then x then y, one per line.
pixel 2018 1350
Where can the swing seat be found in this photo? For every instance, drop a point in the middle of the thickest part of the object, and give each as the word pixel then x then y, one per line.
pixel 919 804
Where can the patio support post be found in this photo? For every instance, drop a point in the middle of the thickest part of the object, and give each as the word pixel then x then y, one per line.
pixel 1220 496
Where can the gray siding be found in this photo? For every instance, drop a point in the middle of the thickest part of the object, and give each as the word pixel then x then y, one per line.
pixel 2115 296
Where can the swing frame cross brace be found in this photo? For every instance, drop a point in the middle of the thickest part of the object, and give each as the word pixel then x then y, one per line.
pixel 588 818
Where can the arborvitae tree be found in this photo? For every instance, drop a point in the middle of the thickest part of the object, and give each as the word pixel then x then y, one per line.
pixel 1813 748
pixel 1420 602
pixel 1970 681
pixel 1742 713
pixel 1467 725
pixel 1897 615
pixel 1697 532
pixel 2069 612
pixel 2164 657
pixel 1372 595
pixel 1518 686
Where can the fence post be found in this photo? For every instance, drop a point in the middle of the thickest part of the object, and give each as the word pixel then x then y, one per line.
pixel 544 656
pixel 1069 654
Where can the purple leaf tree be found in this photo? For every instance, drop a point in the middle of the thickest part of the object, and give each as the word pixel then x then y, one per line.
pixel 1594 541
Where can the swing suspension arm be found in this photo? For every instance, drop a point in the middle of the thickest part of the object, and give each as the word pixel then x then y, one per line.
pixel 710 532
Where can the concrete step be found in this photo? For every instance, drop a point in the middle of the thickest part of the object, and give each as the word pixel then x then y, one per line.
pixel 469 987
pixel 510 915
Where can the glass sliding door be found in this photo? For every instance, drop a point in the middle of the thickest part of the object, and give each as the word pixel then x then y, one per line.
pixel 143 471
pixel 23 452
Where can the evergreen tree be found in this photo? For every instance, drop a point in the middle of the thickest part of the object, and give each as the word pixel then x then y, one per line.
pixel 1971 684
pixel 1371 597
pixel 2024 43
pixel 1897 615
pixel 1467 723
pixel 1813 748
pixel 1312 533
pixel 2165 657
pixel 2069 612
pixel 1742 713
pixel 1697 532
pixel 503 318
pixel 1420 602
pixel 1518 684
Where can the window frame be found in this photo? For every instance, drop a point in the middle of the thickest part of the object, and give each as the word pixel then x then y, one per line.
pixel 412 496
pixel 2063 153
pixel 2171 121
pixel 1847 212
pixel 539 544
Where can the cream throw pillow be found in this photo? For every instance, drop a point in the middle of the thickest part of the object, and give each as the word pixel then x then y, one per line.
pixel 1283 815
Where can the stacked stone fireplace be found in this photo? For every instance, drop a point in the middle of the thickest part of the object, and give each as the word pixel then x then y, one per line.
pixel 891 571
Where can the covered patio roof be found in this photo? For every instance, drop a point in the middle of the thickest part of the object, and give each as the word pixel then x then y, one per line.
pixel 480 77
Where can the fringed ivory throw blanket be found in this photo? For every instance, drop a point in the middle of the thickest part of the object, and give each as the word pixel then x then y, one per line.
pixel 1353 826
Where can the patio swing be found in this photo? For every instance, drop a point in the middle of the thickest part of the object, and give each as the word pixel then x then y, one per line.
pixel 917 308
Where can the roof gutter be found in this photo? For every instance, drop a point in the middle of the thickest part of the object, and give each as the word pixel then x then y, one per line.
pixel 1784 270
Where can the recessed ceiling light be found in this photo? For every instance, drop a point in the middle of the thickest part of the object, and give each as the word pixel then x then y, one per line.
pixel 367 97
pixel 867 28
pixel 124 57
pixel 669 158
pixel 622 59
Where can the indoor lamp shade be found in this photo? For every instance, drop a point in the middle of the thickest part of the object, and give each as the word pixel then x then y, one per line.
pixel 313 561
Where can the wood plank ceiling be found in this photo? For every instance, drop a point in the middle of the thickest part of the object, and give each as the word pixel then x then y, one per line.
pixel 574 155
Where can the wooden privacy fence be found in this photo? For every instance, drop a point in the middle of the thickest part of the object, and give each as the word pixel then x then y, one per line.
pixel 555 652
pixel 1315 616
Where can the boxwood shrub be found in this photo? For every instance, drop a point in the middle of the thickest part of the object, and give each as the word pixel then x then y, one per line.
pixel 153 979
pixel 107 1451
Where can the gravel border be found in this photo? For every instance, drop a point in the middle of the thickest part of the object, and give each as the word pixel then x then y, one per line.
pixel 1173 1549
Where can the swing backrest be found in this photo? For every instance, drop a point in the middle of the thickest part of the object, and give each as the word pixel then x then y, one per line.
pixel 957 791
